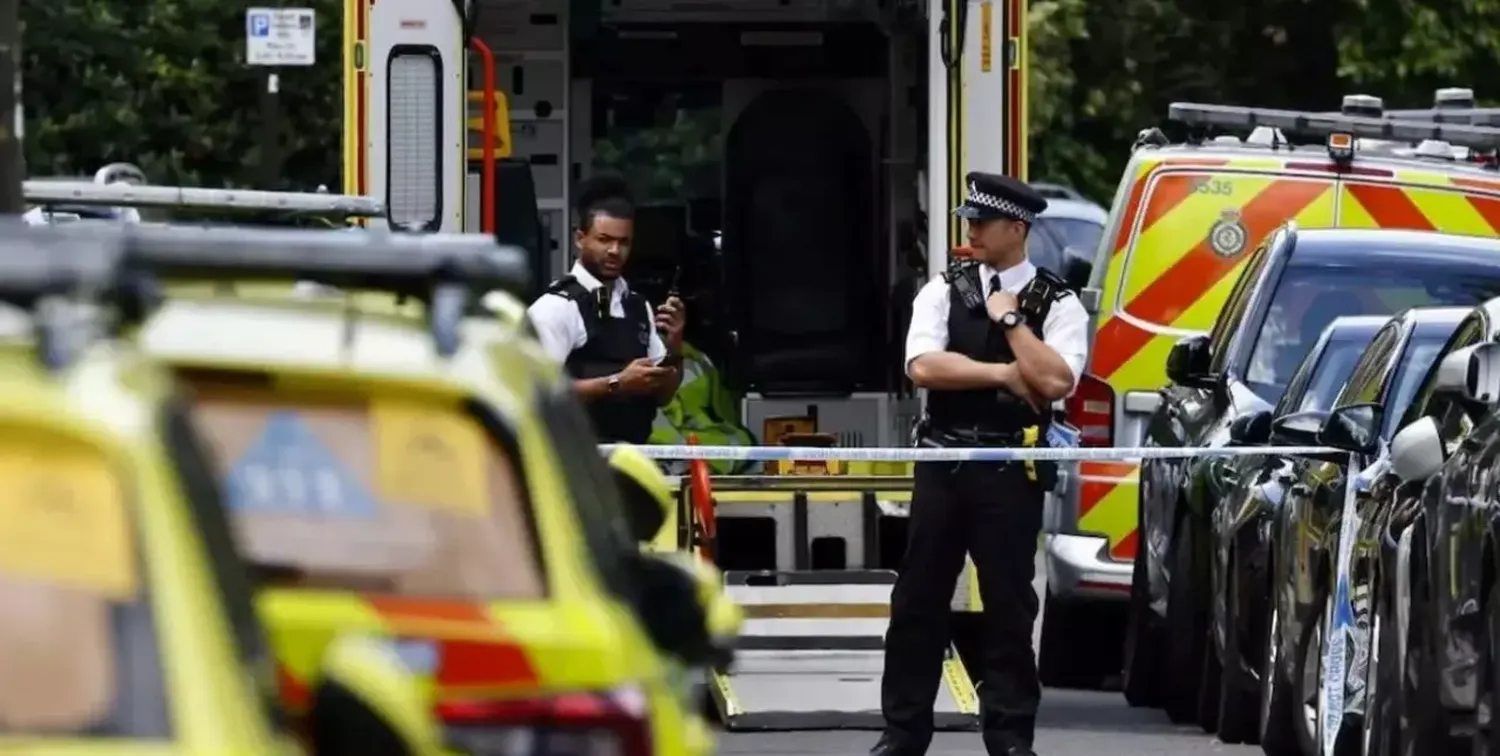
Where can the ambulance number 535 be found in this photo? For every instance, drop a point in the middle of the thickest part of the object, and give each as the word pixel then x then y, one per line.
pixel 1219 187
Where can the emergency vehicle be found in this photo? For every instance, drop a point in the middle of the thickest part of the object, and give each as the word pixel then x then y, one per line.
pixel 846 130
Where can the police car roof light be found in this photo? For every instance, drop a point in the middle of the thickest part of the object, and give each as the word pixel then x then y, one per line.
pixel 1367 106
pixel 1453 97
pixel 128 195
pixel 1433 148
pixel 1320 125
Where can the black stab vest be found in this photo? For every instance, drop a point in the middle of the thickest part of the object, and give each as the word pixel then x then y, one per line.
pixel 612 343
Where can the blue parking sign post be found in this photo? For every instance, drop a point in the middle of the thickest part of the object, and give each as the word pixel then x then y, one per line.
pixel 276 37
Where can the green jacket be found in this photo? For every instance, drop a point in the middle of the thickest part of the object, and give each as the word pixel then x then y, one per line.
pixel 705 408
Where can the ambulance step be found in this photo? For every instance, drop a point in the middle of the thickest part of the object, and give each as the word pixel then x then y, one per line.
pixel 811 655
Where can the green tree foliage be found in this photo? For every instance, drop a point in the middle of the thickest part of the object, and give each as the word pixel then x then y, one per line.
pixel 164 85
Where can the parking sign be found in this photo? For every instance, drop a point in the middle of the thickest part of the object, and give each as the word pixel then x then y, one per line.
pixel 280 37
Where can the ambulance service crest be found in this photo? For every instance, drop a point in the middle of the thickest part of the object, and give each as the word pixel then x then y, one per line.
pixel 1228 235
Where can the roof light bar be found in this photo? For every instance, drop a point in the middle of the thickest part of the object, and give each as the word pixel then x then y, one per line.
pixel 35 263
pixel 1321 125
pixel 408 264
pixel 1489 117
pixel 126 195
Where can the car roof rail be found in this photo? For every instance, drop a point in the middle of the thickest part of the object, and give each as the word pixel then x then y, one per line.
pixel 1322 126
pixel 60 280
pixel 120 194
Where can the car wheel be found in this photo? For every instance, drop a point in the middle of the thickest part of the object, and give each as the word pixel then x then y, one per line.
pixel 1184 630
pixel 1143 642
pixel 1237 704
pixel 1073 652
pixel 1278 704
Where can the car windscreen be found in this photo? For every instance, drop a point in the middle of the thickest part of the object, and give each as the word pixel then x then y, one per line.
pixel 79 651
pixel 1075 232
pixel 1421 353
pixel 1334 367
pixel 388 495
pixel 1309 297
pixel 1046 243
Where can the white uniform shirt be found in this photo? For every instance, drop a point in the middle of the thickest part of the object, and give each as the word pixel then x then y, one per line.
pixel 1066 329
pixel 559 325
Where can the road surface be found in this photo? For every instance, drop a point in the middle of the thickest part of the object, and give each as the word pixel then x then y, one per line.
pixel 1071 723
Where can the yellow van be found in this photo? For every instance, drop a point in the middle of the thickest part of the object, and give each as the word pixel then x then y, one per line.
pixel 1183 220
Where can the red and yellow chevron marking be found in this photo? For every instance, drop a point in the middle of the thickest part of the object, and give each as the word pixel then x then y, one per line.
pixel 1106 503
pixel 474 655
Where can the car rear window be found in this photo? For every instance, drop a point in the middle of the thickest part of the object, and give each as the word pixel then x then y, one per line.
pixel 78 648
pixel 391 495
pixel 1195 232
pixel 1309 297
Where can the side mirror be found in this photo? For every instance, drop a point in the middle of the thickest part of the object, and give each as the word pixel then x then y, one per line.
pixel 1187 363
pixel 1472 372
pixel 1355 428
pixel 1417 451
pixel 1078 267
pixel 1251 430
pixel 367 701
pixel 1298 428
pixel 672 608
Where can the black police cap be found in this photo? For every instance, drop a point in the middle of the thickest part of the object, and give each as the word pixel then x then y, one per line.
pixel 993 196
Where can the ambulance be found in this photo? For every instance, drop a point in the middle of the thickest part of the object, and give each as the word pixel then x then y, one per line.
pixel 1184 218
pixel 823 143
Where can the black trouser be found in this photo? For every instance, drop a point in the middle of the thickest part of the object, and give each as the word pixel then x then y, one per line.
pixel 993 513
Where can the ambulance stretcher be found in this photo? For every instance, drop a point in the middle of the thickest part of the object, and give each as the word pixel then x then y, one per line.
pixel 811 653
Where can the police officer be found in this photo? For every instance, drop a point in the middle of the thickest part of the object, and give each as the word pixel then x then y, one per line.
pixel 994 342
pixel 623 354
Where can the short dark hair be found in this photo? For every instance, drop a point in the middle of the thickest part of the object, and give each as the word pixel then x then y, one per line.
pixel 606 194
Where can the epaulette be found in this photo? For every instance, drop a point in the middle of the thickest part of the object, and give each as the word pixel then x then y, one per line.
pixel 565 287
pixel 1057 288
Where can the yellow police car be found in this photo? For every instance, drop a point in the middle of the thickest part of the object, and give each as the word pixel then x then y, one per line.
pixel 128 629
pixel 427 480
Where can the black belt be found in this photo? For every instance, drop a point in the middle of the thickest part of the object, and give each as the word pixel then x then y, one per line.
pixel 958 438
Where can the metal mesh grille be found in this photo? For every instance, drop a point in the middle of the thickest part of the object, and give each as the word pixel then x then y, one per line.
pixel 414 135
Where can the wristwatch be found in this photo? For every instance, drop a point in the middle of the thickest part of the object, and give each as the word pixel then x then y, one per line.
pixel 613 383
pixel 1012 319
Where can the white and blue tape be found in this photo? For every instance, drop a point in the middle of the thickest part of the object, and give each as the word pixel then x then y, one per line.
pixel 906 454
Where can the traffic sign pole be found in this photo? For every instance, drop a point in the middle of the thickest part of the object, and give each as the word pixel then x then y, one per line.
pixel 270 135
pixel 276 37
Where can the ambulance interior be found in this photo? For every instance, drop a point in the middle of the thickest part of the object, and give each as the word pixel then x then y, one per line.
pixel 776 150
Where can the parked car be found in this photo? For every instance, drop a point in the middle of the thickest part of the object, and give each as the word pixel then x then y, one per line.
pixel 1305 532
pixel 1239 546
pixel 1433 629
pixel 1290 289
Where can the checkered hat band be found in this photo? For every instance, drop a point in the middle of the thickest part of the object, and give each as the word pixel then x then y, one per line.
pixel 1001 204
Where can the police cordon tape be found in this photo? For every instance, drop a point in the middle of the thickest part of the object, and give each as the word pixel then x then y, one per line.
pixel 908 454
pixel 1335 655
